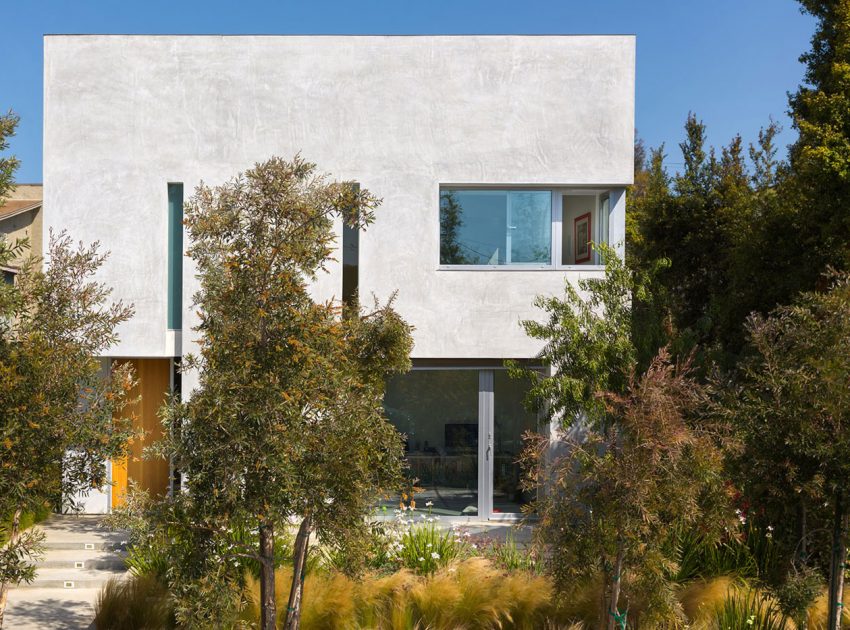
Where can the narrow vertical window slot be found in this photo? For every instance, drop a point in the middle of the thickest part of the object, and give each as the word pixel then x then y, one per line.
pixel 350 261
pixel 175 256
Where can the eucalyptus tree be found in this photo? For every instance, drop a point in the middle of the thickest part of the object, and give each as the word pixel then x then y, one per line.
pixel 58 409
pixel 287 423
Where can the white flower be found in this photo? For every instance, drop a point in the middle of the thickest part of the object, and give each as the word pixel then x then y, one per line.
pixel 428 545
pixel 435 555
pixel 421 559
pixel 429 503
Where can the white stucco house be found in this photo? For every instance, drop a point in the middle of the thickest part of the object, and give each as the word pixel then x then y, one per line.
pixel 498 159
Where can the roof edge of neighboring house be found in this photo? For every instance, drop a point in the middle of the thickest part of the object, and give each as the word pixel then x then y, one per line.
pixel 36 203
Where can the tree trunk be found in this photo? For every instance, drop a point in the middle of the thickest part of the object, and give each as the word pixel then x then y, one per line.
pixel 14 534
pixel 268 608
pixel 613 611
pixel 803 557
pixel 302 543
pixel 603 604
pixel 836 569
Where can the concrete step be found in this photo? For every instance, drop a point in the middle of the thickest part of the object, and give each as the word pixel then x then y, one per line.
pixel 81 559
pixel 81 545
pixel 72 578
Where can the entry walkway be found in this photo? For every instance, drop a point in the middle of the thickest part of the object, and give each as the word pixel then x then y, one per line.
pixel 80 556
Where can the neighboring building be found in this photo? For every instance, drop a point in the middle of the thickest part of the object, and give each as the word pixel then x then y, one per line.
pixel 497 157
pixel 21 218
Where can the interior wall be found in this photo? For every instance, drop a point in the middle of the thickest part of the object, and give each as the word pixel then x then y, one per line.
pixel 575 206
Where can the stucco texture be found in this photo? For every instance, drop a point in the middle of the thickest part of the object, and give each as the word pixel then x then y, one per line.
pixel 124 115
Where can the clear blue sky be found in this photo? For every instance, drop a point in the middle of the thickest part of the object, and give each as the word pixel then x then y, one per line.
pixel 730 61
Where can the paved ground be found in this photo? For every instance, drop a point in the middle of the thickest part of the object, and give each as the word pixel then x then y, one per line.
pixel 80 556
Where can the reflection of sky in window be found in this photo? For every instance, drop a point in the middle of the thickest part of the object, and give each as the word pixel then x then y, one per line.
pixel 483 233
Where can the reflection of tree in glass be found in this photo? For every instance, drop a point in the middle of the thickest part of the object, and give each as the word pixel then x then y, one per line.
pixel 450 224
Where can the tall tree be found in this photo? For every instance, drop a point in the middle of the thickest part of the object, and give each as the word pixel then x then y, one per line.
pixel 820 158
pixel 724 227
pixel 287 421
pixel 793 408
pixel 57 407
pixel 638 463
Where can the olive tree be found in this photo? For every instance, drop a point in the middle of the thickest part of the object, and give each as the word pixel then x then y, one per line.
pixel 287 423
pixel 57 406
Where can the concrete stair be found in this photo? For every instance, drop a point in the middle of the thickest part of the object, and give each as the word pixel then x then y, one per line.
pixel 79 553
pixel 80 556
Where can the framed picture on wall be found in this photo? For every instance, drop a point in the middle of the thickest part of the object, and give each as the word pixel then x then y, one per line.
pixel 582 238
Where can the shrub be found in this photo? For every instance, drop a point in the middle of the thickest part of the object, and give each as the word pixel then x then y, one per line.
pixel 137 603
pixel 750 609
pixel 426 548
pixel 510 556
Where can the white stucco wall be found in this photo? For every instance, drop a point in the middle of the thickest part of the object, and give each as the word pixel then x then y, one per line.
pixel 124 115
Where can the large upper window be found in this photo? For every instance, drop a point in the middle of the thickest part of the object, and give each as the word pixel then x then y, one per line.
pixel 495 227
pixel 525 229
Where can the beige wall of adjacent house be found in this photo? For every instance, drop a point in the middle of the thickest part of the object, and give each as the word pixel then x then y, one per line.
pixel 25 225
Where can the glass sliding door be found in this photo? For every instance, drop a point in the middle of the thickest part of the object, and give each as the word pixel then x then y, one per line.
pixel 437 412
pixel 511 421
pixel 463 433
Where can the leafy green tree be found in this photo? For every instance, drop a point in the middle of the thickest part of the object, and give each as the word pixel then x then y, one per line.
pixel 820 159
pixel 57 408
pixel 8 165
pixel 724 225
pixel 637 462
pixel 792 406
pixel 287 422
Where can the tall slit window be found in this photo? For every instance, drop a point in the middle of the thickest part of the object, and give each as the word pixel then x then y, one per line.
pixel 495 227
pixel 175 256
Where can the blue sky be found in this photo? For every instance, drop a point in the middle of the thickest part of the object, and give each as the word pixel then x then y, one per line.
pixel 731 62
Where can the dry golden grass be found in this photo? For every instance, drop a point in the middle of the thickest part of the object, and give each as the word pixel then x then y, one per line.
pixel 700 598
pixel 471 594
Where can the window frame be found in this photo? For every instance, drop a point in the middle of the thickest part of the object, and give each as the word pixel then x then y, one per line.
pixel 556 232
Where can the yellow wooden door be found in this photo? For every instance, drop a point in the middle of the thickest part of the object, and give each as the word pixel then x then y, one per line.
pixel 153 384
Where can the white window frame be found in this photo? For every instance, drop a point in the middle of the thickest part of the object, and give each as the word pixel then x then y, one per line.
pixel 556 245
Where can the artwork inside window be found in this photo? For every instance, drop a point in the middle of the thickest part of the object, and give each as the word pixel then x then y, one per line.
pixel 582 232
pixel 495 227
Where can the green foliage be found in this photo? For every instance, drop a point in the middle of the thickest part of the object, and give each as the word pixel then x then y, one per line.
pixel 749 553
pixel 287 420
pixel 8 165
pixel 724 225
pixel 426 548
pixel 641 462
pixel 57 408
pixel 27 520
pixel 798 593
pixel 747 609
pixel 511 556
pixel 820 158
pixel 790 408
pixel 588 337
